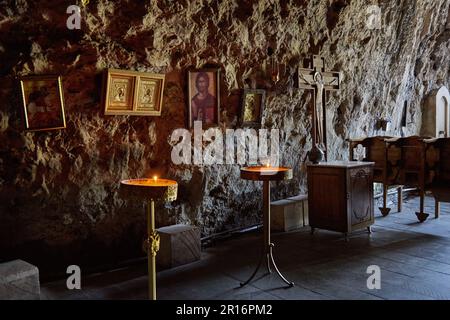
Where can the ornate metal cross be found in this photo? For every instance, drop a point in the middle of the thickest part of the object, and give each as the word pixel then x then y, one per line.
pixel 317 78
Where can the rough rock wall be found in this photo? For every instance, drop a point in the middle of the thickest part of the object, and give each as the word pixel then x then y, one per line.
pixel 59 190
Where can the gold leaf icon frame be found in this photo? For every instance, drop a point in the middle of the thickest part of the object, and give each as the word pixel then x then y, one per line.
pixel 133 93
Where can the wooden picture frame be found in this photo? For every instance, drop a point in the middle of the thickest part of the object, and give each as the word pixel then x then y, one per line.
pixel 204 96
pixel 133 93
pixel 43 102
pixel 252 107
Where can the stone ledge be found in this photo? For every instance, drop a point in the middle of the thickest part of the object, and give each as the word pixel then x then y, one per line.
pixel 300 197
pixel 19 280
pixel 180 244
pixel 289 214
pixel 302 200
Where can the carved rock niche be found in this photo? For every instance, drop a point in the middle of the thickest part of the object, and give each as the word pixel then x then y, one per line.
pixel 436 114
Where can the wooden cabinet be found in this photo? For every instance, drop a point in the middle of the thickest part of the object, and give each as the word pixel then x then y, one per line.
pixel 340 195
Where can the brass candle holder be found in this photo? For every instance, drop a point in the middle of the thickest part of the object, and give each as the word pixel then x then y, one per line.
pixel 151 190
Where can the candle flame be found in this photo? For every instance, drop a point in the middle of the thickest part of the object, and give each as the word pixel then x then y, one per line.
pixel 155 178
pixel 268 165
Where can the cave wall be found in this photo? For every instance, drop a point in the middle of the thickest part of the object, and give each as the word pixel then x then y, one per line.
pixel 59 199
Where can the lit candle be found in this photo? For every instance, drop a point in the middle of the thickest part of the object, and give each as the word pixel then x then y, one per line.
pixel 155 178
pixel 268 165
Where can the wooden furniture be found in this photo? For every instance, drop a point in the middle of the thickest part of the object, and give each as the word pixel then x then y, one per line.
pixel 386 169
pixel 150 190
pixel 340 196
pixel 267 174
pixel 413 168
pixel 438 161
pixel 398 162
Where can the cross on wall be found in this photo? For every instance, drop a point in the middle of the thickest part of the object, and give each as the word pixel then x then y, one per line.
pixel 316 77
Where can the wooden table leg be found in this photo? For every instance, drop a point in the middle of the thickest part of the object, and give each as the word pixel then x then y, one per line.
pixel 437 208
pixel 399 198
pixel 385 210
pixel 266 216
pixel 422 216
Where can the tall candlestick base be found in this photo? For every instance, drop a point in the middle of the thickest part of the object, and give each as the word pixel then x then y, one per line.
pixel 150 190
pixel 266 174
pixel 152 242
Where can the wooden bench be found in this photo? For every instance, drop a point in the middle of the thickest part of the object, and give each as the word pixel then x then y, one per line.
pixel 438 161
pixel 418 162
pixel 413 168
pixel 386 169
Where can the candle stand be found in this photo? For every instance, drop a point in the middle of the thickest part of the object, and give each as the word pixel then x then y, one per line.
pixel 151 190
pixel 267 174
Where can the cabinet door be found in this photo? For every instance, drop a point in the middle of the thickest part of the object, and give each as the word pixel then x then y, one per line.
pixel 360 195
pixel 326 198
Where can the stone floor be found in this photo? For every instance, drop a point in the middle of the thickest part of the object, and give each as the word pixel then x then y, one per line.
pixel 414 259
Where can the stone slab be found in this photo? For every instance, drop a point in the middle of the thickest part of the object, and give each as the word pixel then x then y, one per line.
pixel 302 201
pixel 180 244
pixel 19 280
pixel 286 215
